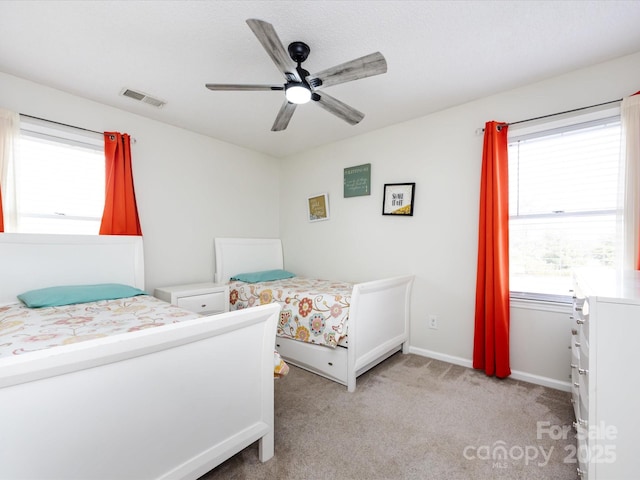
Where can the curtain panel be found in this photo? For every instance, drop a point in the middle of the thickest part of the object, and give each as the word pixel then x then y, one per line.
pixel 630 118
pixel 491 334
pixel 9 137
pixel 120 215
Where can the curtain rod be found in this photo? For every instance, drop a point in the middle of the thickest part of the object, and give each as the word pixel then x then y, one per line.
pixel 133 140
pixel 60 123
pixel 480 130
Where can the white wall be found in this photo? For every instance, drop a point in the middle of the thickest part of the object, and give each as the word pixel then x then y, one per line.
pixel 442 154
pixel 189 188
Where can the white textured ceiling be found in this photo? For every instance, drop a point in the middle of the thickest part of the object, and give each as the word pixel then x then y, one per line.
pixel 439 54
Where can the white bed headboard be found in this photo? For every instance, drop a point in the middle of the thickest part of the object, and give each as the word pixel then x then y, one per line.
pixel 30 261
pixel 243 255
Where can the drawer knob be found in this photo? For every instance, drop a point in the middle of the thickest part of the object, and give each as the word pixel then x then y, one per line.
pixel 576 384
pixel 583 371
pixel 579 321
pixel 581 422
pixel 573 365
pixel 577 344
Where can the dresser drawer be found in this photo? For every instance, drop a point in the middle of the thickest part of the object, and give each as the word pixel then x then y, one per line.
pixel 575 402
pixel 206 303
pixel 581 315
pixel 583 341
pixel 583 404
pixel 575 377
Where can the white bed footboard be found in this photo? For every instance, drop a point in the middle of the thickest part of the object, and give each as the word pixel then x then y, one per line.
pixel 378 328
pixel 171 402
pixel 379 314
pixel 378 323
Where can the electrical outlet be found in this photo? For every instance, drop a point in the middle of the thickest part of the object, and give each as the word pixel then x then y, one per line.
pixel 433 322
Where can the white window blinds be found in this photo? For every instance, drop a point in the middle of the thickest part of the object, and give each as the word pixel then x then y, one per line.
pixel 60 181
pixel 563 204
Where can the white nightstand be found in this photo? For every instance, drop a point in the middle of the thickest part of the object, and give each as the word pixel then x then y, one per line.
pixel 205 298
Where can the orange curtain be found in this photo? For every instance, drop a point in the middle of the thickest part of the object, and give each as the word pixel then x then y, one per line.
pixel 120 215
pixel 491 336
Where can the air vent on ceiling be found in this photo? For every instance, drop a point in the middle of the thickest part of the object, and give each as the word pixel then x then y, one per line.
pixel 143 97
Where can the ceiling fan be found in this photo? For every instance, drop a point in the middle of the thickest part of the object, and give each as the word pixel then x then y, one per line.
pixel 301 87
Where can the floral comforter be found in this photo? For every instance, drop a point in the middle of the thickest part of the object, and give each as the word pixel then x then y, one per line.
pixel 24 330
pixel 312 310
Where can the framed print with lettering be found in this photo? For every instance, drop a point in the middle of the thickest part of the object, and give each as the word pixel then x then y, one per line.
pixel 398 199
pixel 318 207
pixel 357 181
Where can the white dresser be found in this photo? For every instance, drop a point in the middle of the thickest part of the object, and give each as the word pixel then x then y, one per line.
pixel 605 345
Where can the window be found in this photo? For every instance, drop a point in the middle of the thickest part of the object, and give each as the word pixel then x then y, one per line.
pixel 60 179
pixel 563 205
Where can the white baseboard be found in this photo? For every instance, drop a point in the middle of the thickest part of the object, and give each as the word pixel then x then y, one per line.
pixel 538 380
pixel 463 362
pixel 515 374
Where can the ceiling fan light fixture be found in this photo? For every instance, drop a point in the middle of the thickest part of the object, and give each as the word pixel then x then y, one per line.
pixel 300 86
pixel 298 93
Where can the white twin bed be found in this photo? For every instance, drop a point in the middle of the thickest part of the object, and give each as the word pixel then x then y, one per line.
pixel 168 402
pixel 378 312
pixel 171 402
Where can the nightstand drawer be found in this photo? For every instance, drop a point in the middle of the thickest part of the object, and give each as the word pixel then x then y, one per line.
pixel 206 303
pixel 207 298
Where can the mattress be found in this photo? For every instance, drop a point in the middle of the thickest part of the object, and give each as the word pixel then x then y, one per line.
pixel 312 310
pixel 24 330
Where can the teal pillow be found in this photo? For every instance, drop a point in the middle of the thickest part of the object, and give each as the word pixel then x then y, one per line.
pixel 264 276
pixel 72 294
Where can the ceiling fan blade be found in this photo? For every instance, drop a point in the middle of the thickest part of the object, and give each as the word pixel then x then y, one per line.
pixel 283 117
pixel 269 39
pixel 338 108
pixel 367 66
pixel 231 86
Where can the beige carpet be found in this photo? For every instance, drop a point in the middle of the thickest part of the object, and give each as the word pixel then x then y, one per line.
pixel 413 418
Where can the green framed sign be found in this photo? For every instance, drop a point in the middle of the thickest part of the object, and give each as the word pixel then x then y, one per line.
pixel 357 181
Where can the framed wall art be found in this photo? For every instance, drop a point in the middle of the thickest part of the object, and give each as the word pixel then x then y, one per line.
pixel 357 181
pixel 398 199
pixel 318 207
